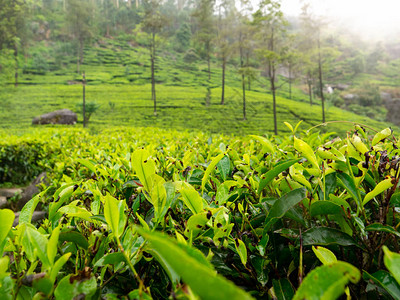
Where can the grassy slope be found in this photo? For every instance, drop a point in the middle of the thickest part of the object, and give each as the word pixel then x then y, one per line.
pixel 118 76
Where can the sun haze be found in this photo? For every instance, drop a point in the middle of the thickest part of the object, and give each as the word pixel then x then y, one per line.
pixel 367 17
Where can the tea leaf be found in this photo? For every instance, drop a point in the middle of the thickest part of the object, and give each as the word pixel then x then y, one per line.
pixel 144 167
pixel 114 214
pixel 27 211
pixel 381 136
pixel 52 245
pixel 201 279
pixel 7 218
pixel 271 174
pixel 209 169
pixel 383 228
pixel 380 188
pixel 241 250
pixel 326 236
pixel 306 151
pixel 327 281
pixel 392 263
pixel 282 205
pixel 192 199
pixel 326 256
pixel 283 289
pixel 385 281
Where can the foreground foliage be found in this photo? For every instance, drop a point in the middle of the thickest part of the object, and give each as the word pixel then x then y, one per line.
pixel 145 213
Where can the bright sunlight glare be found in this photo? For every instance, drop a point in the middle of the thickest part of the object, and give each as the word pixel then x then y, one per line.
pixel 371 18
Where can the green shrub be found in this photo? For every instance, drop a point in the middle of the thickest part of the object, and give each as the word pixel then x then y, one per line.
pixel 20 161
pixel 148 213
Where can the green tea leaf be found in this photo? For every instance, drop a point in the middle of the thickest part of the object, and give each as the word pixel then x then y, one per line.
pixel 196 224
pixel 58 265
pixel 7 218
pixel 60 197
pixel 359 145
pixel 350 186
pixel 224 166
pixel 282 205
pixel 327 281
pixel 192 199
pixel 52 245
pixel 69 287
pixel 385 281
pixel 326 256
pixel 204 281
pixel 173 276
pixel 88 164
pixel 381 136
pixel 114 214
pixel 75 237
pixel 209 169
pixel 383 228
pixel 76 211
pixel 158 196
pixel 39 243
pixel 325 208
pixel 110 259
pixel 306 151
pixel 283 289
pixel 241 250
pixel 144 167
pixel 271 174
pixel 27 211
pixel 392 263
pixel 380 188
pixel 326 236
pixel 265 142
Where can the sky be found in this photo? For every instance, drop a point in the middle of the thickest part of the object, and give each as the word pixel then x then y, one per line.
pixel 368 17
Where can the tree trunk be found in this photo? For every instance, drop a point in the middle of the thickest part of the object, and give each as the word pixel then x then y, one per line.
pixel 77 60
pixel 243 77
pixel 84 99
pixel 208 61
pixel 310 91
pixel 81 44
pixel 272 75
pixel 273 89
pixel 153 82
pixel 223 80
pixel 290 81
pixel 209 66
pixel 16 64
pixel 248 77
pixel 244 97
pixel 321 88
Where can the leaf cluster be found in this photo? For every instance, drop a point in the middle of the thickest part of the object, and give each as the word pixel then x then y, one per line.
pixel 154 214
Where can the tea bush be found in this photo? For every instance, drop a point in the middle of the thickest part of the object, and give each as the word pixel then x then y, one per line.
pixel 20 160
pixel 145 213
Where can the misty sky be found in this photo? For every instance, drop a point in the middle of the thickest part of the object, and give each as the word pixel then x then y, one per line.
pixel 370 17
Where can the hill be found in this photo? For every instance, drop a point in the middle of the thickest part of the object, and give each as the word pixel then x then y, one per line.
pixel 118 79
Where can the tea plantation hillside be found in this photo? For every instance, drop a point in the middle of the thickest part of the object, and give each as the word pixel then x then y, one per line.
pixel 147 213
pixel 118 77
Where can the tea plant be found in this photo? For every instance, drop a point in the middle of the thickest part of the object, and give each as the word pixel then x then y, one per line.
pixel 146 213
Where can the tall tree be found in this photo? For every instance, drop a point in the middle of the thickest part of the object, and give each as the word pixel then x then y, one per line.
pixel 225 26
pixel 152 23
pixel 12 28
pixel 307 45
pixel 243 40
pixel 271 31
pixel 79 18
pixel 205 29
